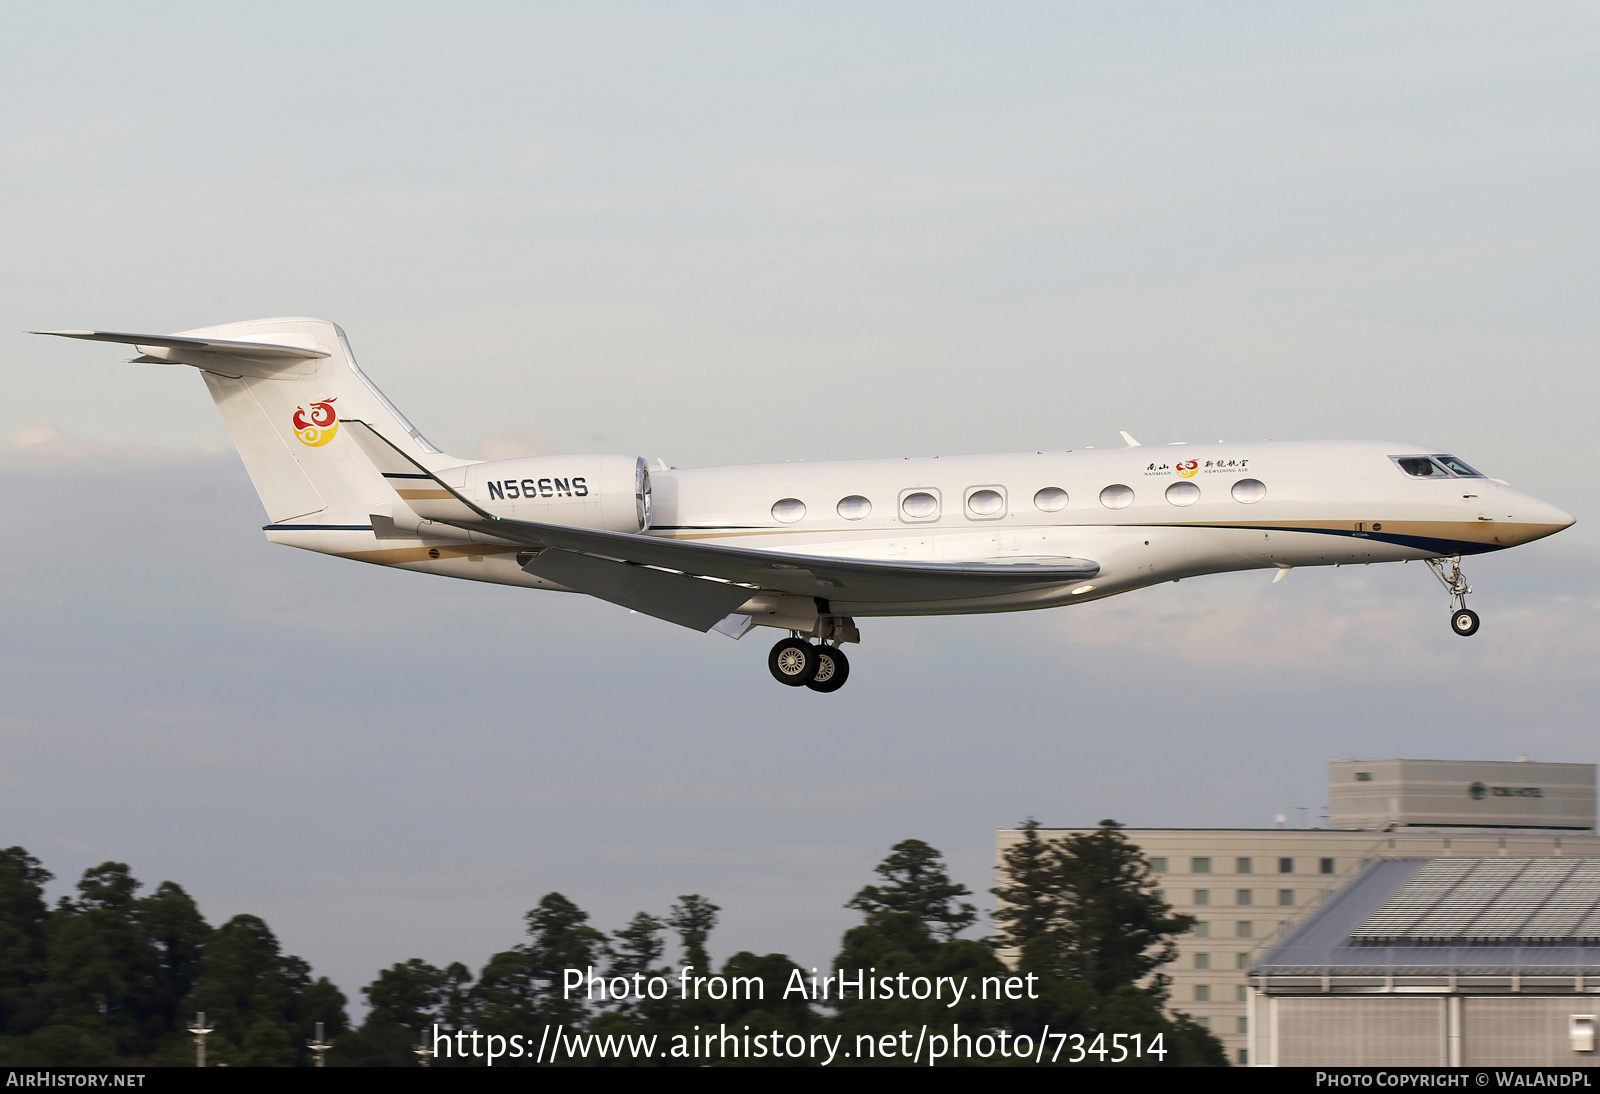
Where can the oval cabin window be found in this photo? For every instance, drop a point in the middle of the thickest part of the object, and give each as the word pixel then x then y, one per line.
pixel 788 510
pixel 1183 493
pixel 1052 499
pixel 1249 490
pixel 1116 497
pixel 985 503
pixel 854 507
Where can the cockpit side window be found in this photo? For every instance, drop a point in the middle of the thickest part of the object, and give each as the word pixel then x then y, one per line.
pixel 1420 467
pixel 1459 467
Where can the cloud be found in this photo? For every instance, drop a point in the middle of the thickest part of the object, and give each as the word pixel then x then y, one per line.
pixel 1318 627
pixel 41 445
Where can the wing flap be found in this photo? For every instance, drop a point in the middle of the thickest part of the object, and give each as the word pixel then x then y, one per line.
pixel 687 601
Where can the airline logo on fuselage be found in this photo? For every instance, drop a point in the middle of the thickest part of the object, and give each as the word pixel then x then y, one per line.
pixel 317 427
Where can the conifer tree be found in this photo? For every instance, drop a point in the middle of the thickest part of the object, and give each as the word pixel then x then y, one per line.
pixel 23 913
pixel 520 988
pixel 917 883
pixel 693 917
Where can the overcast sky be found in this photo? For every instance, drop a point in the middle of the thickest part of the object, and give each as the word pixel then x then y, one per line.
pixel 729 232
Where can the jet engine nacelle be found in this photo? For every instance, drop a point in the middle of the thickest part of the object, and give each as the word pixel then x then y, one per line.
pixel 584 491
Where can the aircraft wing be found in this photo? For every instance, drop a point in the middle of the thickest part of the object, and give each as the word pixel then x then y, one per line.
pixel 829 577
pixel 696 584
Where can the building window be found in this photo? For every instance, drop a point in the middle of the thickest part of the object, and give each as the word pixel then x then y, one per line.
pixel 1159 894
pixel 1158 866
pixel 1202 993
pixel 1241 961
pixel 1202 929
pixel 1327 866
pixel 1244 1057
pixel 1286 866
pixel 1241 866
pixel 1244 1024
pixel 1241 896
pixel 1363 776
pixel 1199 866
pixel 1202 896
pixel 1202 961
pixel 1242 929
pixel 1241 993
pixel 1204 1021
pixel 1286 897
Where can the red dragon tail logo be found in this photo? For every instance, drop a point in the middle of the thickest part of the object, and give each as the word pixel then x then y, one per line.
pixel 319 427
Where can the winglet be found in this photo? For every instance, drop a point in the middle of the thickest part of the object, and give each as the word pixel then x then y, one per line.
pixel 1129 438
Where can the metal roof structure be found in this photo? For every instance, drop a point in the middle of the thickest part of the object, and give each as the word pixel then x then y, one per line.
pixel 1545 900
pixel 1451 917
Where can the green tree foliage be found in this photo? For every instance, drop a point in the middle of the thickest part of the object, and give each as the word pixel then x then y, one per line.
pixel 262 1004
pixel 102 968
pixel 912 920
pixel 1081 913
pixel 916 882
pixel 520 989
pixel 693 917
pixel 172 923
pixel 22 947
pixel 109 977
pixel 408 1000
pixel 634 954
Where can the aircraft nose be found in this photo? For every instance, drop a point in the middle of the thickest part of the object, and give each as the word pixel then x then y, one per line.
pixel 1535 519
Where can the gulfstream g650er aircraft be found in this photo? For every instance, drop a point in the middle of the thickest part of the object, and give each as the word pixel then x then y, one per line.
pixel 809 548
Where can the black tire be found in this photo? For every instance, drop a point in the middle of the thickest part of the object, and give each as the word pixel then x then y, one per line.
pixel 833 669
pixel 793 662
pixel 1464 622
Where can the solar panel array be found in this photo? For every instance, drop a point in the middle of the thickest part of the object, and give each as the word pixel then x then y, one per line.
pixel 1491 900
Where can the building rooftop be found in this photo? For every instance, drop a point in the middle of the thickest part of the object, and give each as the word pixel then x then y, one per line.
pixel 1452 916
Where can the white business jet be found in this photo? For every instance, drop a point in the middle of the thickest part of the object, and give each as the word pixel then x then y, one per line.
pixel 809 548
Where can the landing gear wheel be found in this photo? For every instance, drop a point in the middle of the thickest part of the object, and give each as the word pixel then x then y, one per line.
pixel 793 661
pixel 833 669
pixel 1464 622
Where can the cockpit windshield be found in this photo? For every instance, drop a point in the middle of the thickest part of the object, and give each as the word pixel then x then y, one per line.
pixel 1459 467
pixel 1435 467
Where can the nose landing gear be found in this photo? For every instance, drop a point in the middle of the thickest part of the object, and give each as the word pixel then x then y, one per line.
pixel 1463 620
pixel 798 663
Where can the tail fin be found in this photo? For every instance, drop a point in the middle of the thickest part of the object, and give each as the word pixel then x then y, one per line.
pixel 282 386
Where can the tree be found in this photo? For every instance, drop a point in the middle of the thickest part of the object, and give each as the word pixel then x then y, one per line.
pixel 103 969
pixel 23 913
pixel 1082 915
pixel 636 951
pixel 1116 931
pixel 261 1002
pixel 407 1000
pixel 1030 893
pixel 172 923
pixel 918 883
pixel 520 989
pixel 693 917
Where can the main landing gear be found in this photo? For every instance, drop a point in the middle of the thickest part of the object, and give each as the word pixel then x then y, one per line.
pixel 799 663
pixel 1463 620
